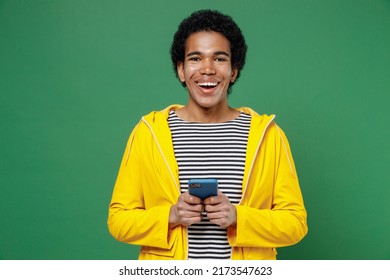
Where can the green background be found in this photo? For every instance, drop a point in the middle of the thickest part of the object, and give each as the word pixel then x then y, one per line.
pixel 76 76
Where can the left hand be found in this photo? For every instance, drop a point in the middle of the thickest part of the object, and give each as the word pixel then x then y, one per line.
pixel 220 211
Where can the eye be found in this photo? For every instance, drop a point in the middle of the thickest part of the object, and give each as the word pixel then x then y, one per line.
pixel 220 59
pixel 194 58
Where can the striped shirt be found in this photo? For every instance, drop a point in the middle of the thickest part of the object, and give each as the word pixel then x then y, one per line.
pixel 210 150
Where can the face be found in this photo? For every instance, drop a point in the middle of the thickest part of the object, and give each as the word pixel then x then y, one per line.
pixel 207 70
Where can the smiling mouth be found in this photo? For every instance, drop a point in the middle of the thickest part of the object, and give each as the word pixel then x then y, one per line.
pixel 207 85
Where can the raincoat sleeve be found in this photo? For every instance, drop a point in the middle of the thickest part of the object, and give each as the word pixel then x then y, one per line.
pixel 129 221
pixel 281 221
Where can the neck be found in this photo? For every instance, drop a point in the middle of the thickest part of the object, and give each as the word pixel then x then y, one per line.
pixel 207 115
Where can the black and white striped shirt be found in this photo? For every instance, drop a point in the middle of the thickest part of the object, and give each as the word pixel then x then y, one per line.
pixel 210 150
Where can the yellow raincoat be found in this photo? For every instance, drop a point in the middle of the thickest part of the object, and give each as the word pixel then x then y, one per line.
pixel 270 214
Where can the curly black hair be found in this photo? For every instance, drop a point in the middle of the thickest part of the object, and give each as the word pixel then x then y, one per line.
pixel 210 20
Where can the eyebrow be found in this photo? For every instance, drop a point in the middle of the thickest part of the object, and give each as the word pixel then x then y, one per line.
pixel 216 53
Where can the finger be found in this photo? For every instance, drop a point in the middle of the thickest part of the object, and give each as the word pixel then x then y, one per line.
pixel 220 222
pixel 222 207
pixel 184 206
pixel 192 221
pixel 216 199
pixel 191 199
pixel 218 215
pixel 190 218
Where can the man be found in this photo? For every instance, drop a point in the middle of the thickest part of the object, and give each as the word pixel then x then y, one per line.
pixel 259 206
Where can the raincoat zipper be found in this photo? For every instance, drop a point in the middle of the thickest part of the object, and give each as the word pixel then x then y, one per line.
pixel 171 173
pixel 254 158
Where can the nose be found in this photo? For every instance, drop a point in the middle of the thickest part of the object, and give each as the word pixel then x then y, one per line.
pixel 207 67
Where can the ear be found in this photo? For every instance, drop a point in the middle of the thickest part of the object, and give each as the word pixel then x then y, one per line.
pixel 234 75
pixel 180 71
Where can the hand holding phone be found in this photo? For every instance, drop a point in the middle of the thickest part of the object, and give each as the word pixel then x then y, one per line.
pixel 203 188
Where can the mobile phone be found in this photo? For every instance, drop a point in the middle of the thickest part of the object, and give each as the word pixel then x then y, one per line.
pixel 203 188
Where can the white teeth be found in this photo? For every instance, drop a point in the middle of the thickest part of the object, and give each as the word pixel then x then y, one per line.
pixel 207 84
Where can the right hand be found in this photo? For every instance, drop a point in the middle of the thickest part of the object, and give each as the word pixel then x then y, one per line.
pixel 187 211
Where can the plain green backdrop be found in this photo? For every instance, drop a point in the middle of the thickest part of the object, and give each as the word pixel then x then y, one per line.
pixel 77 75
